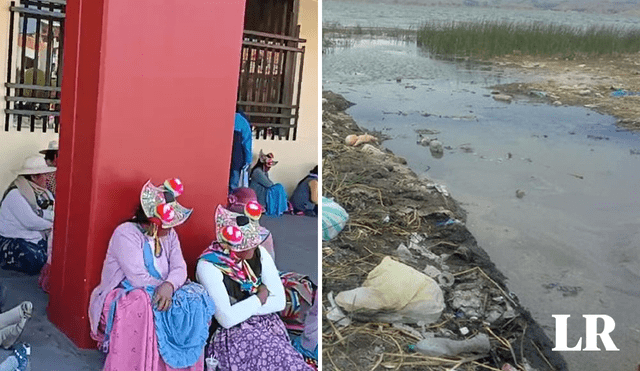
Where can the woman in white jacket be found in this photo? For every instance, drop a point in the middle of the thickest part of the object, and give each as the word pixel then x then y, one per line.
pixel 243 281
pixel 26 218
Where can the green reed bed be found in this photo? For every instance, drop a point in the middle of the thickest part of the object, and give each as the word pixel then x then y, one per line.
pixel 490 38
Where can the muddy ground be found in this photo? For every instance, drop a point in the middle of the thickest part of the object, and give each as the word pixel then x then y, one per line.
pixel 580 81
pixel 388 206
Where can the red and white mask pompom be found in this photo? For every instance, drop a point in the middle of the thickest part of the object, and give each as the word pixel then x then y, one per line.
pixel 232 235
pixel 253 210
pixel 175 186
pixel 166 213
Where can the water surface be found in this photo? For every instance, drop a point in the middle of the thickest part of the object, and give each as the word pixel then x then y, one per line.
pixel 576 226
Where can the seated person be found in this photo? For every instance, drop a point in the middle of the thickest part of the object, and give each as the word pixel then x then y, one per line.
pixel 236 202
pixel 26 218
pixel 305 196
pixel 144 277
pixel 12 323
pixel 51 157
pixel 245 286
pixel 271 196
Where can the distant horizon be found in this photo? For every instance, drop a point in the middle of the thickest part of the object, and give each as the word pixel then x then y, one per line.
pixel 610 7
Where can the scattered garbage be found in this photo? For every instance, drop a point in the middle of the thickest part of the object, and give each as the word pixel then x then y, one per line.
pixel 566 290
pixel 577 176
pixel 435 146
pixel 441 188
pixel 634 151
pixel 427 131
pixel 424 141
pixel 443 347
pixel 445 279
pixel 369 149
pixel 373 188
pixel 394 292
pixel 448 222
pixel 403 252
pixel 520 193
pixel 356 140
pixel 468 302
pixel 334 218
pixel 408 330
pixel 466 148
pixel 335 314
pixel 537 93
pixel 597 137
pixel 431 271
pixel 399 113
pixel 503 98
pixel 624 93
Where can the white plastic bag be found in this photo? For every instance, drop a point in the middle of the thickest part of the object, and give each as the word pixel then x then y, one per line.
pixel 395 292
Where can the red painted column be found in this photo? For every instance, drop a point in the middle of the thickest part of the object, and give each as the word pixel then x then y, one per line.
pixel 149 92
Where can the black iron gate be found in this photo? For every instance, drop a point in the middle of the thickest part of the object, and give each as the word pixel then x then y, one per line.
pixel 34 68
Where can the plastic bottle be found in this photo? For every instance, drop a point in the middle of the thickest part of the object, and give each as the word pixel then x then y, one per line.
pixel 438 347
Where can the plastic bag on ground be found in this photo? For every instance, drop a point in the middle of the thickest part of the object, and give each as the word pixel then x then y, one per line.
pixel 395 292
pixel 334 218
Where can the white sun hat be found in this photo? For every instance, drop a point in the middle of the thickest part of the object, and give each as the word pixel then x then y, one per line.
pixel 53 146
pixel 34 165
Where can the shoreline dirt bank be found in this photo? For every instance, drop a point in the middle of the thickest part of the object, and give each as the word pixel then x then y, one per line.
pixel 607 84
pixel 391 208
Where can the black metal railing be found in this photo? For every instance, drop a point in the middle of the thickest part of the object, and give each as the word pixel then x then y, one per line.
pixel 270 82
pixel 34 72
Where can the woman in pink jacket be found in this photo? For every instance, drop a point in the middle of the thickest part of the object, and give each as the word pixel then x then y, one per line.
pixel 144 278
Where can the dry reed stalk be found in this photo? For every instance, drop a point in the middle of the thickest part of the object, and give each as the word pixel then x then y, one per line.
pixel 543 356
pixel 378 363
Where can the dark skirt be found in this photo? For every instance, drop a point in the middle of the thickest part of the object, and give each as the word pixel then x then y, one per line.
pixel 259 343
pixel 20 255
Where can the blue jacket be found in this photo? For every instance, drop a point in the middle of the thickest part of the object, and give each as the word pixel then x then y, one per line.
pixel 242 125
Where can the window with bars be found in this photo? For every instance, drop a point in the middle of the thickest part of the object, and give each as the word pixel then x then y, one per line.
pixel 270 81
pixel 34 67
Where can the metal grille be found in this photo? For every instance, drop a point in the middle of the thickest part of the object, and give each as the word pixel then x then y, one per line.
pixel 34 70
pixel 270 81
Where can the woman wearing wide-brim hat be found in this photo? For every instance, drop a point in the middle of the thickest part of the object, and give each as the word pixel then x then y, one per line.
pixel 51 157
pixel 26 218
